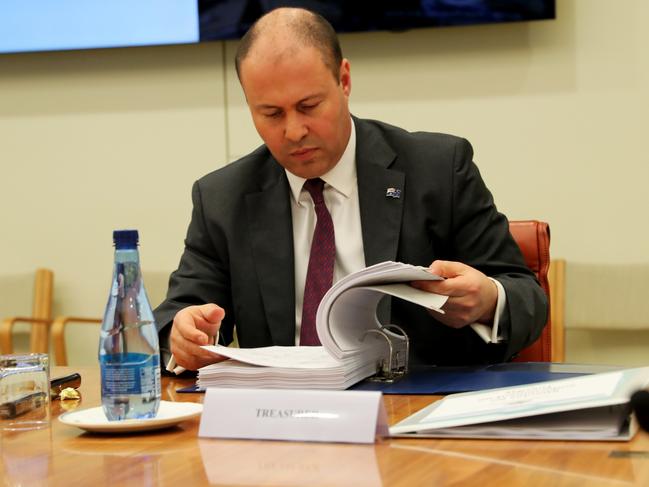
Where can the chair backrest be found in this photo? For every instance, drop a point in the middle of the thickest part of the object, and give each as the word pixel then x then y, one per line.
pixel 533 238
pixel 40 318
pixel 156 286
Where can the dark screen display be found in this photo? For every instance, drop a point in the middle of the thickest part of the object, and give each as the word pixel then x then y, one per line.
pixel 229 19
pixel 44 25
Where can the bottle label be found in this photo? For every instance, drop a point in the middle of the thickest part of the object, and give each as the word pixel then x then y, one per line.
pixel 130 373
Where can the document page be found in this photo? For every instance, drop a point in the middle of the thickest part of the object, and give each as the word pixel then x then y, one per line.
pixel 607 422
pixel 348 309
pixel 285 357
pixel 528 397
pixel 597 403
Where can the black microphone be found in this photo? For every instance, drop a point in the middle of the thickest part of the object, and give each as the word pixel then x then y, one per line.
pixel 640 404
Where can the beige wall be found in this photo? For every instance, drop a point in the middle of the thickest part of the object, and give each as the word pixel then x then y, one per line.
pixel 96 140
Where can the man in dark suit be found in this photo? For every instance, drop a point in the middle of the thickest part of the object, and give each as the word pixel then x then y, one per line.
pixel 393 195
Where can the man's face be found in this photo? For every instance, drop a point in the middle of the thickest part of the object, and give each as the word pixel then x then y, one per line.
pixel 299 109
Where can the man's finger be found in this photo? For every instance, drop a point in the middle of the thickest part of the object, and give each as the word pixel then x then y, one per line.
pixel 195 357
pixel 185 326
pixel 207 318
pixel 211 312
pixel 198 323
pixel 437 287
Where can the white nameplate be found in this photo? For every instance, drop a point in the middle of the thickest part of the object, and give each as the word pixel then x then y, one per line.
pixel 301 415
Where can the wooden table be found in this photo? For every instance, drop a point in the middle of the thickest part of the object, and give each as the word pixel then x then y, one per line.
pixel 65 455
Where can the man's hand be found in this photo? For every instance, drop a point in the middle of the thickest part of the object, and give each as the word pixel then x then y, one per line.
pixel 192 327
pixel 472 295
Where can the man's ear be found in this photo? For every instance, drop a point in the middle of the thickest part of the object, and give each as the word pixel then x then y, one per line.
pixel 346 77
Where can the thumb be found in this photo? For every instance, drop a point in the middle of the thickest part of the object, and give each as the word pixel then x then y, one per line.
pixel 447 268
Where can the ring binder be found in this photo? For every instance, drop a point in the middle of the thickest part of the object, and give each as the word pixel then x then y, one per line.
pixel 395 365
pixel 344 315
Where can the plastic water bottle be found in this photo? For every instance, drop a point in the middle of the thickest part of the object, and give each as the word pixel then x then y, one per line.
pixel 129 354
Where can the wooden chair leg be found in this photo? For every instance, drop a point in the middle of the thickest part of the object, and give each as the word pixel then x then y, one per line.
pixel 43 290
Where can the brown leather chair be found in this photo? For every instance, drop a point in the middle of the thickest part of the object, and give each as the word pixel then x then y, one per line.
pixel 533 238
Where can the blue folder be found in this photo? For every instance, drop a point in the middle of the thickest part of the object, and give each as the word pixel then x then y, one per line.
pixel 448 380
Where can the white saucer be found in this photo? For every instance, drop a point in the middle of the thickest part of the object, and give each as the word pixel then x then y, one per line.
pixel 169 414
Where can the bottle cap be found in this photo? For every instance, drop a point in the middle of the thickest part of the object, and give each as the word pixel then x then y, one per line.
pixel 125 239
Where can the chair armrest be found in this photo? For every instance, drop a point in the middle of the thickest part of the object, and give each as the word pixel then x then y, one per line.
pixel 6 341
pixel 58 335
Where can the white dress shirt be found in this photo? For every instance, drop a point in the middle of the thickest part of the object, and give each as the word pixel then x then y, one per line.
pixel 341 197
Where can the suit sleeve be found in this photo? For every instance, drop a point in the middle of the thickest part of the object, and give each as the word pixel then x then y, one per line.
pixel 481 239
pixel 203 274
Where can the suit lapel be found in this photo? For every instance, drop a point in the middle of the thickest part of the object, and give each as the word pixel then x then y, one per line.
pixel 269 216
pixel 380 214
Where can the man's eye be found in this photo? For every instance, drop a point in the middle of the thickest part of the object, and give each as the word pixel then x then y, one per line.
pixel 306 108
pixel 273 114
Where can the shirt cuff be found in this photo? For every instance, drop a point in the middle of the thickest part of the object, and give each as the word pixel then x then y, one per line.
pixel 491 334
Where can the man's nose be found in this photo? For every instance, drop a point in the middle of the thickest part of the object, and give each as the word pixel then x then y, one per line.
pixel 295 129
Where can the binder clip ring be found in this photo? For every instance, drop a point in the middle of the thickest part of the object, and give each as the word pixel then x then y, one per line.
pixel 395 364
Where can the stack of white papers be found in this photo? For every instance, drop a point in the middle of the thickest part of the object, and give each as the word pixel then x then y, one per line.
pixel 286 368
pixel 347 355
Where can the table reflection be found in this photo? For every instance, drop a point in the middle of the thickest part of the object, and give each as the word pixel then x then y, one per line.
pixel 25 456
pixel 234 462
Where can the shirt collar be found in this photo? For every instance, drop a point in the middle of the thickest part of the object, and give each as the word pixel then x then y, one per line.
pixel 341 177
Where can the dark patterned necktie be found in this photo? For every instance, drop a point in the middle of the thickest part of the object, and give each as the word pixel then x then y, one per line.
pixel 320 272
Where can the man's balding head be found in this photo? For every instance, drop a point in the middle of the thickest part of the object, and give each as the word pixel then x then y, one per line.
pixel 285 29
pixel 297 87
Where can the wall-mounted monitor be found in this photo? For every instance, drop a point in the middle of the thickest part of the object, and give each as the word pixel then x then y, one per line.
pixel 46 25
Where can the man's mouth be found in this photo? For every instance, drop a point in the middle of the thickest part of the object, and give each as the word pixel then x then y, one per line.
pixel 304 152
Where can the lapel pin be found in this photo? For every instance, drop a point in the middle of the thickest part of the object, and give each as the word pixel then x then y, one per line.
pixel 393 193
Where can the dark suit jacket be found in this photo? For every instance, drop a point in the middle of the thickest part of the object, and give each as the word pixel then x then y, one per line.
pixel 239 245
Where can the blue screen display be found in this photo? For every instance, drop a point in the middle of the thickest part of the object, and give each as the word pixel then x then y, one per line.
pixel 45 25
